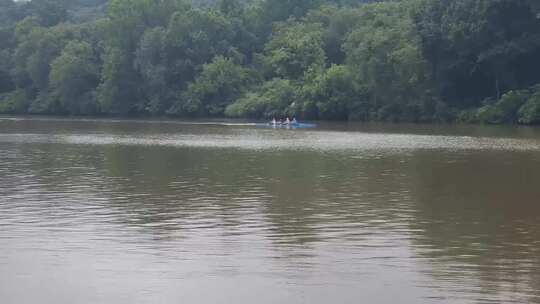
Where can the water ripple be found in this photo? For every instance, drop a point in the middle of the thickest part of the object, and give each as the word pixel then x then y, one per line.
pixel 304 140
pixel 120 217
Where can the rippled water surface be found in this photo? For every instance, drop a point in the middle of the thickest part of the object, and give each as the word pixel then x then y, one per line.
pixel 123 211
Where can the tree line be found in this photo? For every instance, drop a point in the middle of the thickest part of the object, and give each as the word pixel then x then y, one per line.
pixel 409 60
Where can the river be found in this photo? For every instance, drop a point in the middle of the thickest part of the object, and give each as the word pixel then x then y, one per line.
pixel 142 211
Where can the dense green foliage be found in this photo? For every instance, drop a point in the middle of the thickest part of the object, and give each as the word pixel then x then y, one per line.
pixel 408 60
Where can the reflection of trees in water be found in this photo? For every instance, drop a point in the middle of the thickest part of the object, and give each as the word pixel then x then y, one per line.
pixel 240 190
pixel 330 201
pixel 474 217
pixel 478 217
pixel 312 192
pixel 292 198
pixel 54 176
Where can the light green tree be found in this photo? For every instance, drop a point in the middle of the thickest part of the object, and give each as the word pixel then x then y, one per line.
pixel 74 77
pixel 295 49
pixel 384 54
pixel 220 84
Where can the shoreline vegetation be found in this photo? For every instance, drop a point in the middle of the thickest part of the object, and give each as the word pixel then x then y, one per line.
pixel 475 61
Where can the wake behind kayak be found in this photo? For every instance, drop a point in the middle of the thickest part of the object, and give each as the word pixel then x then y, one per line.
pixel 287 126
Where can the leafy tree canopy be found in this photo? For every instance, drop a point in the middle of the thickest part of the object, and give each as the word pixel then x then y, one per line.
pixel 408 60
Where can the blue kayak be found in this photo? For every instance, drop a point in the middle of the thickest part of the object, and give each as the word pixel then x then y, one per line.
pixel 297 125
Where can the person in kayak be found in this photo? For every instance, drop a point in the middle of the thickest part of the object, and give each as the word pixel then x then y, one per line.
pixel 287 121
pixel 274 121
pixel 294 122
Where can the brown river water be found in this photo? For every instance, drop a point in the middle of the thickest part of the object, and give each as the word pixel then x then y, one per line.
pixel 140 211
